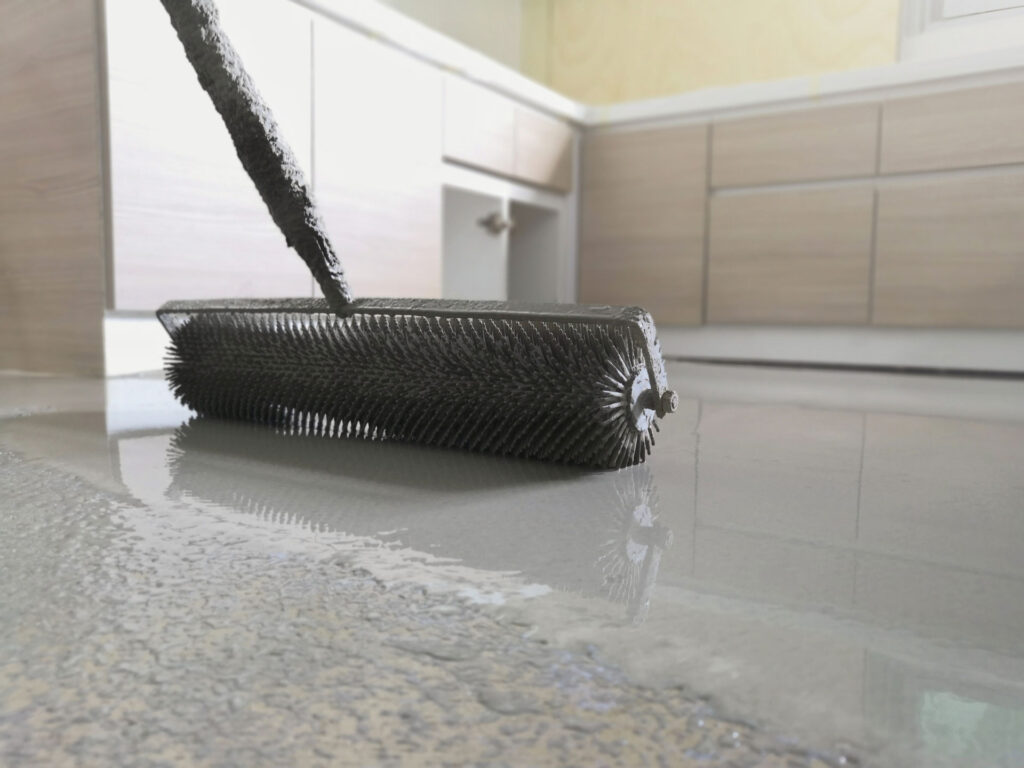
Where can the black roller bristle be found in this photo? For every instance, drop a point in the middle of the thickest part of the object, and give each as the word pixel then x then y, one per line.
pixel 550 389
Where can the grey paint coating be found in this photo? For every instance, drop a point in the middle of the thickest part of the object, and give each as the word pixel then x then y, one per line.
pixel 825 580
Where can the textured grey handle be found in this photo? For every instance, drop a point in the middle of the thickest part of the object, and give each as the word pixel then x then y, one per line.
pixel 265 155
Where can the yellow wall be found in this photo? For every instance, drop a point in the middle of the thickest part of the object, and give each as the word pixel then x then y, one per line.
pixel 602 51
pixel 490 26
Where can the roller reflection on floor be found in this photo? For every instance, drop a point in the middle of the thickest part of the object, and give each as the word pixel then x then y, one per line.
pixel 577 530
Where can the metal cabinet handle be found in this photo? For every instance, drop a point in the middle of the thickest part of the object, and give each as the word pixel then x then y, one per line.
pixel 495 223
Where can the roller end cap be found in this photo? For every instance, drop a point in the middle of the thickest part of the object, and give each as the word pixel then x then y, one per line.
pixel 669 402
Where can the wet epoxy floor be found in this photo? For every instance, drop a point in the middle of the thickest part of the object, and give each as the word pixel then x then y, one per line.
pixel 814 568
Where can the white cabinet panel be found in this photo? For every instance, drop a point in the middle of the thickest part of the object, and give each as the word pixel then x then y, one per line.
pixel 378 159
pixel 543 150
pixel 479 127
pixel 188 222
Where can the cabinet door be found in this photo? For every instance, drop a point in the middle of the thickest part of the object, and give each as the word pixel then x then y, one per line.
pixel 790 257
pixel 377 150
pixel 475 257
pixel 950 253
pixel 188 222
pixel 642 229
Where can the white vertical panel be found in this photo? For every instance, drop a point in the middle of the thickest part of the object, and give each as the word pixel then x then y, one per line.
pixel 378 157
pixel 188 222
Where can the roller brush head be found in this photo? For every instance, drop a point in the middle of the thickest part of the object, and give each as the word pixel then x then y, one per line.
pixel 574 384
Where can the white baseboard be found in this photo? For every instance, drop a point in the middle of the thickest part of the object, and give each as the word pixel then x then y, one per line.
pixel 132 343
pixel 946 349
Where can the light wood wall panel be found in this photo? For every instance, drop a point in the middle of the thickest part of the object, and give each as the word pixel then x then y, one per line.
pixel 52 290
pixel 378 161
pixel 479 127
pixel 795 146
pixel 970 127
pixel 543 150
pixel 951 253
pixel 642 227
pixel 188 222
pixel 790 257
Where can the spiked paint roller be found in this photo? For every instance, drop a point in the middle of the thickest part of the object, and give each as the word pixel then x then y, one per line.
pixel 579 384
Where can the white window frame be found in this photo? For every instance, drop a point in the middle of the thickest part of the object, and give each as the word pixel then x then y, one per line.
pixel 936 29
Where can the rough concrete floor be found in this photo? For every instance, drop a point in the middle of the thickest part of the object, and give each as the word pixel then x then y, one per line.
pixel 209 644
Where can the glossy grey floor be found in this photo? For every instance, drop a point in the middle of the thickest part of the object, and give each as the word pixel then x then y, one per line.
pixel 815 568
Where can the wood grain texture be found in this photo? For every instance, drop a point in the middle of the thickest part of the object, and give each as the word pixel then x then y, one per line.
pixel 378 162
pixel 951 253
pixel 642 221
pixel 188 221
pixel 52 289
pixel 957 129
pixel 790 257
pixel 543 150
pixel 795 146
pixel 479 127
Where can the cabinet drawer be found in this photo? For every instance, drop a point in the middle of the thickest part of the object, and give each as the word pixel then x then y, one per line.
pixel 790 257
pixel 543 150
pixel 971 127
pixel 479 127
pixel 795 146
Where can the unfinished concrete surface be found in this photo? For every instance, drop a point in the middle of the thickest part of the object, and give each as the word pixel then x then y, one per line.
pixel 813 569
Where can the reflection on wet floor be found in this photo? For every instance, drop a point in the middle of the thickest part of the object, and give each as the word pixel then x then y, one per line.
pixel 837 556
pixel 605 538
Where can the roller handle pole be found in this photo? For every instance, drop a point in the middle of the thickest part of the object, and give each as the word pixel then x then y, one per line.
pixel 265 155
